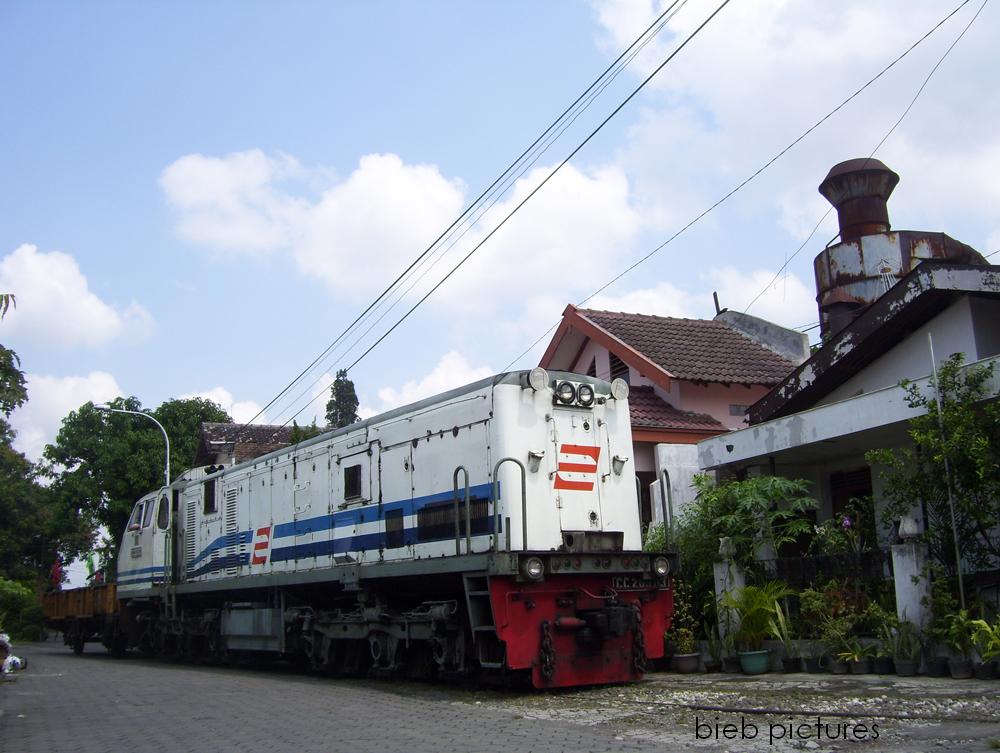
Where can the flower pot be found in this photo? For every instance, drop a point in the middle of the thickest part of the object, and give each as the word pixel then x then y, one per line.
pixel 883 665
pixel 731 664
pixel 755 662
pixel 960 669
pixel 812 664
pixel 838 666
pixel 985 670
pixel 860 666
pixel 791 664
pixel 906 667
pixel 686 663
pixel 937 666
pixel 713 665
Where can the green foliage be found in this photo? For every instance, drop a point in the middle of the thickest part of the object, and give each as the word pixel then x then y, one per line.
pixel 961 627
pixel 6 301
pixel 762 511
pixel 852 531
pixel 102 462
pixel 907 645
pixel 838 611
pixel 656 539
pixel 967 435
pixel 685 641
pixel 342 407
pixel 20 610
pixel 986 638
pixel 302 433
pixel 781 628
pixel 755 607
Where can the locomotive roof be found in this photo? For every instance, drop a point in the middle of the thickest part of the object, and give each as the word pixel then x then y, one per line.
pixel 508 377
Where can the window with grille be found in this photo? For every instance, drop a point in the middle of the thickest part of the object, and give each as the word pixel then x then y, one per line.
pixel 619 369
pixel 352 481
pixel 210 505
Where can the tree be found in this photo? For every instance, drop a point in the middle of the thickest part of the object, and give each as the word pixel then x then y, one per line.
pixel 103 462
pixel 342 407
pixel 302 433
pixel 967 435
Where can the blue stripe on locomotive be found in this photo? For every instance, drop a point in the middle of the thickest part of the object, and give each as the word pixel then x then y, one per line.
pixel 345 544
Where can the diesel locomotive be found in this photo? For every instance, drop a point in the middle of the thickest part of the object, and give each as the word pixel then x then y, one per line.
pixel 491 530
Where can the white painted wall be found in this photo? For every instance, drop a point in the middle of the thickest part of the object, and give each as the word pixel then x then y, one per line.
pixel 952 331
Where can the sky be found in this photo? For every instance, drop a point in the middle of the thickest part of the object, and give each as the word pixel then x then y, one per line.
pixel 198 198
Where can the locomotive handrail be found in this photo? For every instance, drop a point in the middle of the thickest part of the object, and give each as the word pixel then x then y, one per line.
pixel 524 500
pixel 468 504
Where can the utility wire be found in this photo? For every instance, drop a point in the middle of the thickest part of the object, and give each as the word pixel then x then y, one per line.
pixel 535 190
pixel 753 176
pixel 474 204
pixel 438 254
pixel 878 146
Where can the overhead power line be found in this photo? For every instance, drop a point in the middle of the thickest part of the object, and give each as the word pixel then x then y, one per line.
pixel 742 184
pixel 534 191
pixel 878 146
pixel 551 133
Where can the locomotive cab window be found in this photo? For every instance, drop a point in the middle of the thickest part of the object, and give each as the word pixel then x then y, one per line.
pixel 352 481
pixel 210 505
pixel 162 513
pixel 135 522
pixel 148 514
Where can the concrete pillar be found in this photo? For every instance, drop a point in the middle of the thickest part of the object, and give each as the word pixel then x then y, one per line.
pixel 913 589
pixel 728 577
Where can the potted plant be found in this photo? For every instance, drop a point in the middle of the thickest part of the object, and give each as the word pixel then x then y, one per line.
pixel 686 660
pixel 906 649
pixel 730 661
pixel 959 636
pixel 858 657
pixel 886 625
pixel 986 638
pixel 781 629
pixel 755 605
pixel 813 663
pixel 714 661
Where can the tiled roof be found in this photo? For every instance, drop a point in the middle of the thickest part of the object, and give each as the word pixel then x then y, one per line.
pixel 701 350
pixel 253 433
pixel 648 411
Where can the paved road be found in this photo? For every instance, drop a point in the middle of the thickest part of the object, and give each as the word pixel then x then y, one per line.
pixel 96 704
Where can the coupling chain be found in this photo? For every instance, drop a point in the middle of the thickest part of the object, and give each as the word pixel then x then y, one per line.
pixel 638 642
pixel 547 653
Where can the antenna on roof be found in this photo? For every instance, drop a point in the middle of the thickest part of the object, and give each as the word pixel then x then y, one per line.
pixel 715 297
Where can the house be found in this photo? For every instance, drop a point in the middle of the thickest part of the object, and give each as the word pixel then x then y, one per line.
pixel 893 305
pixel 689 379
pixel 880 295
pixel 230 444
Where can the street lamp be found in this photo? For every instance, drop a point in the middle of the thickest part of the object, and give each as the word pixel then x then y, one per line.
pixel 166 468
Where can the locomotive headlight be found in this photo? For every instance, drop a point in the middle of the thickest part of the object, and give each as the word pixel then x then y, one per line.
pixel 565 393
pixel 538 379
pixel 585 395
pixel 619 389
pixel 533 568
pixel 661 566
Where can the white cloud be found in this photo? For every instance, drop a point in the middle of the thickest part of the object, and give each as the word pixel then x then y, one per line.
pixel 787 301
pixel 232 203
pixel 240 410
pixel 453 370
pixel 55 306
pixel 661 300
pixel 50 399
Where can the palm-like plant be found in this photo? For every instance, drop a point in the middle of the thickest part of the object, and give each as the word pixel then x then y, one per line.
pixel 986 638
pixel 755 607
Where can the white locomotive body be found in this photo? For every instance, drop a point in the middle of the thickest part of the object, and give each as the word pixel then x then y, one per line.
pixel 415 536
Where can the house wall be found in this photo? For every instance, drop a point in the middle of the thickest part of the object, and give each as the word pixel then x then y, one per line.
pixel 715 399
pixel 681 464
pixel 952 331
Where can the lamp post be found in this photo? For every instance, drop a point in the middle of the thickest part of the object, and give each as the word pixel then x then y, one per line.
pixel 166 439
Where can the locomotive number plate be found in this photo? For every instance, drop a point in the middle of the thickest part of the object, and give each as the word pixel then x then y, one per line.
pixel 632 583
